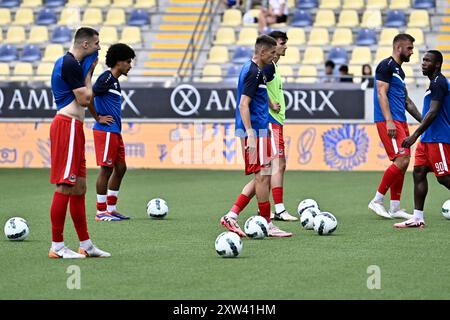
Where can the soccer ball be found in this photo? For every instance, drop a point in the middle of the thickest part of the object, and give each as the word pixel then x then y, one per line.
pixel 256 227
pixel 228 244
pixel 305 204
pixel 16 229
pixel 325 223
pixel 446 209
pixel 307 218
pixel 157 208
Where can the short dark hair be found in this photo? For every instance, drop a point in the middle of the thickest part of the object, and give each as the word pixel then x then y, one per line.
pixel 119 52
pixel 343 68
pixel 276 34
pixel 403 37
pixel 330 63
pixel 84 33
pixel 264 41
pixel 437 56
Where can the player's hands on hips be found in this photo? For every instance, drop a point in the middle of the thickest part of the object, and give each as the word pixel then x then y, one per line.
pixel 105 120
pixel 390 126
pixel 409 141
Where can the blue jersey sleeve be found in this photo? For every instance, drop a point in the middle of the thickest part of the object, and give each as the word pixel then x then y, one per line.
pixel 269 72
pixel 103 84
pixel 438 89
pixel 251 82
pixel 72 74
pixel 384 72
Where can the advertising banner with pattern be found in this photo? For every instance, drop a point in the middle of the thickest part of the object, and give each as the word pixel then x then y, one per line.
pixel 206 146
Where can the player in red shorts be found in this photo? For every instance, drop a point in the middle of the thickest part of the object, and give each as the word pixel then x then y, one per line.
pixel 72 90
pixel 433 150
pixel 109 146
pixel 390 102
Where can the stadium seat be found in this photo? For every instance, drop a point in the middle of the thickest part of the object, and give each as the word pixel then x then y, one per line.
pixel 5 17
pixel 296 36
pixel 31 4
pixel 387 35
pixel 330 4
pixel 307 4
pixel 382 53
pixel 242 54
pixel 61 34
pixel 395 18
pixel 400 4
pixel 24 17
pixel 144 4
pixel 8 52
pixel 4 71
pixel 423 4
pixel 325 18
pixel 38 35
pixel 292 56
pixel 9 3
pixel 53 52
pixel 54 3
pixel 218 54
pixel 44 71
pixel 419 19
pixel 1 35
pixel 131 35
pixel 225 36
pixel 409 74
pixel 318 37
pixel 102 54
pixel 247 36
pixel 356 71
pixel 301 18
pixel 31 53
pixel 232 73
pixel 92 17
pixel 417 35
pixel 15 35
pixel 371 19
pixel 231 18
pixel 366 37
pixel 338 55
pixel 77 3
pixel 138 17
pixel 100 3
pixel 23 71
pixel 122 3
pixel 342 37
pixel 353 4
pixel 376 4
pixel 211 73
pixel 416 57
pixel 313 55
pixel 108 35
pixel 348 19
pixel 307 74
pixel 46 16
pixel 287 73
pixel 361 55
pixel 253 13
pixel 115 17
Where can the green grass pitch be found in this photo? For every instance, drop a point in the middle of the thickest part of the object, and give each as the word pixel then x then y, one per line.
pixel 175 258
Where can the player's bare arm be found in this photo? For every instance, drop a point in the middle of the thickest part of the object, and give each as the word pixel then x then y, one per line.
pixel 382 89
pixel 412 109
pixel 245 115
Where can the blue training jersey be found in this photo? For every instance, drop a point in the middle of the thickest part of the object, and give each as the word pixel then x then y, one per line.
pixel 108 101
pixel 252 83
pixel 388 70
pixel 439 130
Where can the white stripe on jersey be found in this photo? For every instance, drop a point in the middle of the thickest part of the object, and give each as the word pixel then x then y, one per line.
pixel 114 91
pixel 396 75
pixel 444 161
pixel 105 152
pixel 70 152
pixel 261 147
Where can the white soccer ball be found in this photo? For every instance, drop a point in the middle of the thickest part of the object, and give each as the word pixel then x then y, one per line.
pixel 256 227
pixel 307 217
pixel 157 208
pixel 228 244
pixel 325 223
pixel 305 204
pixel 446 209
pixel 17 229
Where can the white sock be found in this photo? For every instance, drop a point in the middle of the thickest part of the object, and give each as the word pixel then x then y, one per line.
pixel 101 198
pixel 56 246
pixel 395 205
pixel 86 244
pixel 279 207
pixel 114 193
pixel 232 215
pixel 378 197
pixel 418 214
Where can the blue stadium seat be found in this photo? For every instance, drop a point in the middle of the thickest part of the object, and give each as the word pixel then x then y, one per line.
pixel 31 53
pixel 301 18
pixel 424 4
pixel 138 17
pixel 366 37
pixel 8 53
pixel 46 17
pixel 307 4
pixel 338 55
pixel 242 54
pixel 395 19
pixel 233 71
pixel 9 3
pixel 55 3
pixel 61 34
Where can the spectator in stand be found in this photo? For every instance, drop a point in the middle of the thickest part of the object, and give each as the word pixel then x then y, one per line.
pixel 345 76
pixel 232 4
pixel 328 76
pixel 277 12
pixel 367 77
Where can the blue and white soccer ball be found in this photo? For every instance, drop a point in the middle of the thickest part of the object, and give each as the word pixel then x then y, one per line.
pixel 305 204
pixel 256 227
pixel 228 244
pixel 446 209
pixel 17 229
pixel 307 217
pixel 325 223
pixel 157 208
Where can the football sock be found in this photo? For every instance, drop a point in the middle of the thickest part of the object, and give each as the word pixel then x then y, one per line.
pixel 101 203
pixel 378 197
pixel 56 246
pixel 111 200
pixel 277 194
pixel 396 187
pixel 395 205
pixel 389 176
pixel 418 214
pixel 78 214
pixel 264 210
pixel 86 244
pixel 240 204
pixel 58 211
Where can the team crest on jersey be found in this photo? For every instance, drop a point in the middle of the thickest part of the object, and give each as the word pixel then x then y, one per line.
pixel 109 161
pixel 72 178
pixel 401 150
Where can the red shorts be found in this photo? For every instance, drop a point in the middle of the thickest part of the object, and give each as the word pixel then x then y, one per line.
pixel 68 161
pixel 260 159
pixel 277 140
pixel 393 146
pixel 109 148
pixel 434 156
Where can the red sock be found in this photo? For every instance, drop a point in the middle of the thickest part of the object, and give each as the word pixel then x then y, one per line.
pixel 111 200
pixel 58 215
pixel 101 206
pixel 241 202
pixel 389 176
pixel 264 210
pixel 277 194
pixel 78 214
pixel 396 188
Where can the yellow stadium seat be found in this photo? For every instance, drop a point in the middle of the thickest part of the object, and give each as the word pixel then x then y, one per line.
pixel 38 34
pixel 292 56
pixel 348 18
pixel 291 4
pixel 409 74
pixel 144 4
pixel 232 18
pixel 387 35
pixel 313 55
pixel 218 54
pixel 325 18
pixel 70 16
pixel 376 4
pixel 24 17
pixel 247 36
pixel 122 3
pixel 23 71
pixel 307 74
pixel 31 3
pixel 100 3
pixel 296 36
pixel 131 35
pixel 1 35
pixel 419 19
pixel 92 17
pixel 115 17
pixel 361 55
pixel 371 19
pixel 318 37
pixel 342 37
pixel 286 73
pixel 417 35
pixel 97 72
pixel 382 53
pixel 76 3
pixel 108 35
pixel 330 4
pixel 4 71
pixel 15 34
pixel 52 52
pixel 415 57
pixel 211 73
pixel 353 4
pixel 5 17
pixel 44 71
pixel 400 4
pixel 356 71
pixel 225 36
pixel 102 54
